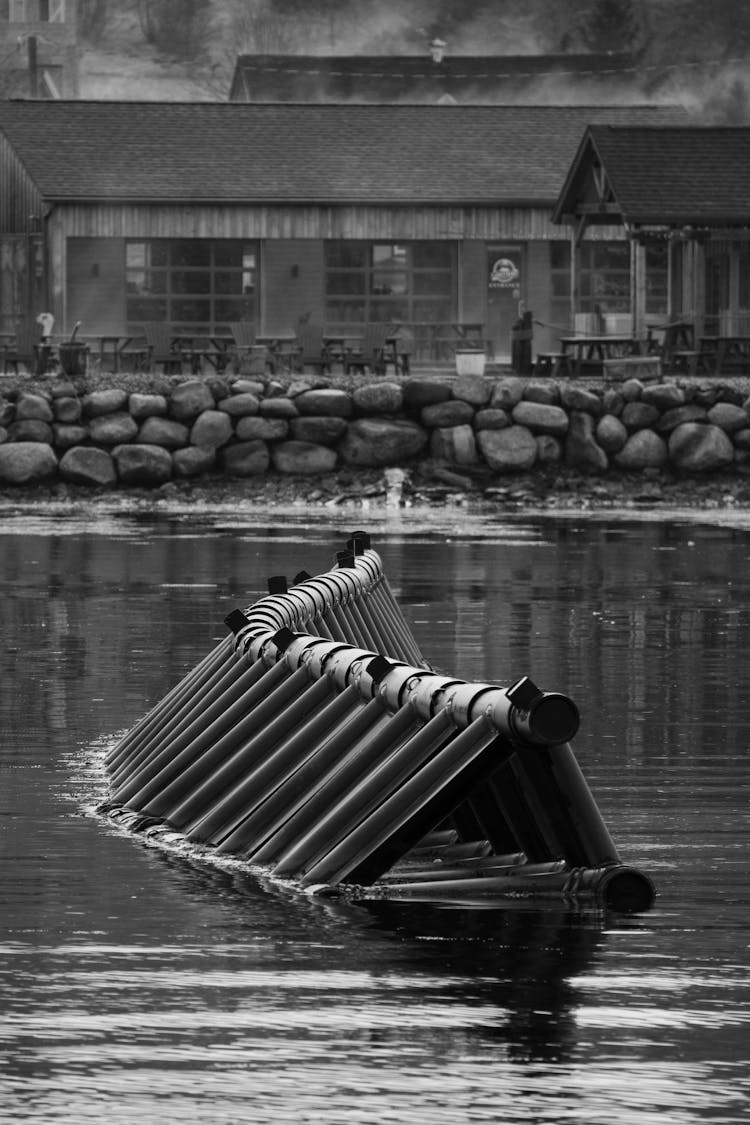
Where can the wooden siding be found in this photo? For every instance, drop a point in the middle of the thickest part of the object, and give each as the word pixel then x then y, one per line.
pixel 115 220
pixel 20 203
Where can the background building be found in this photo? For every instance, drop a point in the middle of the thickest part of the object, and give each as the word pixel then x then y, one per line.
pixel 38 49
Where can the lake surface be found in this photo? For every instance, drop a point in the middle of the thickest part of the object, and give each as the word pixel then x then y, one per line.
pixel 143 986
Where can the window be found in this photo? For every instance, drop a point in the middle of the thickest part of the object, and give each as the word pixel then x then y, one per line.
pixel 197 284
pixel 409 282
pixel 657 274
pixel 604 277
pixel 17 11
pixel 52 11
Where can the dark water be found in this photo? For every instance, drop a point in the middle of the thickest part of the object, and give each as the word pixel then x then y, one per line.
pixel 139 986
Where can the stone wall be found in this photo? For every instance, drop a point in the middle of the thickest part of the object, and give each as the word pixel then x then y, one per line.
pixel 243 427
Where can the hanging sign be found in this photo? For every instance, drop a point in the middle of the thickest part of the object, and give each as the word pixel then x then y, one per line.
pixel 504 274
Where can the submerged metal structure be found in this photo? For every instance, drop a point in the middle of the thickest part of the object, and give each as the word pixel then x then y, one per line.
pixel 317 743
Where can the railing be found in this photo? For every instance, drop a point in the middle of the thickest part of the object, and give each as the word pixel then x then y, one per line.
pixel 316 743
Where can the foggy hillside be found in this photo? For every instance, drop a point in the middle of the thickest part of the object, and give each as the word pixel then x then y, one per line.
pixel 682 50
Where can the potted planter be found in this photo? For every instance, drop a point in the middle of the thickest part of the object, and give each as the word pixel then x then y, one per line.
pixel 470 361
pixel 73 355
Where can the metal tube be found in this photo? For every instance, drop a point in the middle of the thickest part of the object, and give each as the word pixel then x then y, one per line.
pixel 374 746
pixel 166 766
pixel 311 789
pixel 171 742
pixel 242 809
pixel 365 795
pixel 401 798
pixel 172 799
pixel 203 670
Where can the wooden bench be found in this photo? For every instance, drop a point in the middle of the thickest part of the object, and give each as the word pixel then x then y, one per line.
pixel 690 362
pixel 637 366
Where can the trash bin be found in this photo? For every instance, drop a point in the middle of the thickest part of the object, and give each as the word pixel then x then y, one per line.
pixel 73 357
pixel 521 337
pixel 470 361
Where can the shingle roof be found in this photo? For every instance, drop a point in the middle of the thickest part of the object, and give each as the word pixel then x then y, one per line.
pixel 692 175
pixel 414 78
pixel 223 152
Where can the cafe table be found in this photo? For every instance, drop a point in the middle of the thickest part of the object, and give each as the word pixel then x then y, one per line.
pixel 578 351
pixel 723 353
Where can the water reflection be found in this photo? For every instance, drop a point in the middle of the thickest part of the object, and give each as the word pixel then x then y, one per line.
pixel 139 985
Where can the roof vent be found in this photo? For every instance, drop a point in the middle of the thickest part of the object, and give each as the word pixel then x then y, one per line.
pixel 437 50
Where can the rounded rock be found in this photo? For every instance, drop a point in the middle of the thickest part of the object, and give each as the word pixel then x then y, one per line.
pixel 27 462
pixel 303 457
pixel 212 428
pixel 143 464
pixel 88 465
pixel 511 450
pixel 165 432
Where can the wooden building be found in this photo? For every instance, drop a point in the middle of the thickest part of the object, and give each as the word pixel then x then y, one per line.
pixel 679 193
pixel 200 214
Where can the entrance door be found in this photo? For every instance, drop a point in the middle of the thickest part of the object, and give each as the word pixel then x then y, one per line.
pixel 505 290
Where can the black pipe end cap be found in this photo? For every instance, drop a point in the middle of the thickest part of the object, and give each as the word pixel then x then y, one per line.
pixel 236 621
pixel 277 584
pixel 303 576
pixel 358 542
pixel 378 669
pixel 282 639
pixel 345 558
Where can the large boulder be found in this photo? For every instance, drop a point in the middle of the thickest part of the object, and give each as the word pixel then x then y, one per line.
pixel 643 450
pixel 157 430
pixel 370 442
pixel 30 405
pixel 143 464
pixel 664 396
pixel 582 451
pixel 31 429
pixel 104 402
pixel 507 392
pixel 541 418
pixel 263 429
pixel 67 409
pixel 671 419
pixel 113 429
pixel 578 398
pixel 318 430
pixel 548 449
pixel 506 451
pixel 728 417
pixel 26 462
pixel 303 457
pixel 451 413
pixel 239 405
pixel 378 398
pixel 422 390
pixel 541 390
pixel 474 389
pixel 88 465
pixel 192 460
pixel 212 428
pixel 610 433
pixel 66 436
pixel 695 447
pixel 327 401
pixel 245 459
pixel 454 444
pixel 147 405
pixel 639 415
pixel 189 399
pixel 281 407
pixel 492 418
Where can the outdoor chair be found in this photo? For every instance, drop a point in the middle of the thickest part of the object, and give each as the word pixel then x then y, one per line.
pixel 29 351
pixel 311 349
pixel 160 349
pixel 253 358
pixel 373 352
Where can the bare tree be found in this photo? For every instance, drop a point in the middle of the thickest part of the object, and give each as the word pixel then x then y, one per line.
pixel 92 18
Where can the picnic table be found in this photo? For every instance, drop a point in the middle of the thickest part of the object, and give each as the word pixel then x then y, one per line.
pixel 579 352
pixel 723 353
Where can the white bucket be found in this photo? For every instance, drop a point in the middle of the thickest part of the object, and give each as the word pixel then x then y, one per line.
pixel 470 363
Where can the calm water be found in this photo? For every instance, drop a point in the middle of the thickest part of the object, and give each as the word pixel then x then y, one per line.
pixel 140 986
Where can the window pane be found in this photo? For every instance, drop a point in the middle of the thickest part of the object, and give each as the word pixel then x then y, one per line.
pixel 346 254
pixel 390 254
pixel 191 281
pixel 191 310
pixel 228 253
pixel 226 282
pixel 432 255
pixel 389 310
pixel 438 283
pixel 141 309
pixel 346 312
pixel 559 255
pixel 191 252
pixel 389 281
pixel 233 310
pixel 135 254
pixel 345 283
pixel 434 312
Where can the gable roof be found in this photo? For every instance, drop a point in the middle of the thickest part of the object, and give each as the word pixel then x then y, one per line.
pixel 669 175
pixel 414 78
pixel 327 154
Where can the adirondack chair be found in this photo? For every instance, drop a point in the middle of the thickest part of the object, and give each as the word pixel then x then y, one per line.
pixel 29 351
pixel 374 351
pixel 312 351
pixel 253 357
pixel 160 349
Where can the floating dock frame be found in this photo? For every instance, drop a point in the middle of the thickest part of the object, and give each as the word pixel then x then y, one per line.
pixel 317 743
